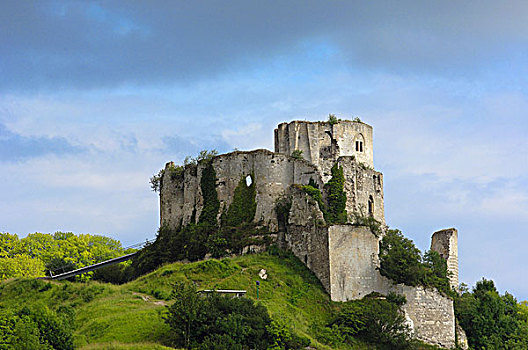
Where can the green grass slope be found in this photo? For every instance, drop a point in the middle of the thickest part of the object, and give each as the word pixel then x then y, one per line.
pixel 130 316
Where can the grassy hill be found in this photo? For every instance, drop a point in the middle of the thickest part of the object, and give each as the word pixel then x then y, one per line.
pixel 130 316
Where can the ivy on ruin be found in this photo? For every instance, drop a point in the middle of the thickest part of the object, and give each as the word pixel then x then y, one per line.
pixel 335 212
pixel 211 204
pixel 244 204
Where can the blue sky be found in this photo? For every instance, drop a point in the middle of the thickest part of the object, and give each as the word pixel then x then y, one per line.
pixel 95 97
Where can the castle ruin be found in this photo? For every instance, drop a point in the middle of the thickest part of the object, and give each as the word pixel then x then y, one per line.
pixel 344 257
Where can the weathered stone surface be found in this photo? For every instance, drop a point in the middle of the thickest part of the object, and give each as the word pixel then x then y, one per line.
pixel 353 259
pixel 305 237
pixel 322 143
pixel 461 337
pixel 432 315
pixel 273 174
pixel 445 242
pixel 364 189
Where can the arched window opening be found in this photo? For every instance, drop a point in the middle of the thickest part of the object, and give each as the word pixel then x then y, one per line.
pixel 371 206
pixel 359 143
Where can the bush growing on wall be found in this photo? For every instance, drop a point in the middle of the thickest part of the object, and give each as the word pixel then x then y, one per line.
pixel 402 262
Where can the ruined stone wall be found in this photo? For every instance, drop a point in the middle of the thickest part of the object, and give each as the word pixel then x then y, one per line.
pixel 322 143
pixel 445 242
pixel 272 173
pixel 353 260
pixel 431 313
pixel 306 237
pixel 363 185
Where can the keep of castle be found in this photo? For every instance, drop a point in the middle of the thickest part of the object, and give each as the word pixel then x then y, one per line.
pixel 344 257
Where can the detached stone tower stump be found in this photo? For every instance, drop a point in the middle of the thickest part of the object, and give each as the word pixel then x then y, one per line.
pixel 445 242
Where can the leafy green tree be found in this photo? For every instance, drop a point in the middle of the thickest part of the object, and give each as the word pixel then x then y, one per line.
pixel 38 253
pixel 185 314
pixel 400 260
pixel 37 328
pixel 21 265
pixel 216 322
pixel 491 321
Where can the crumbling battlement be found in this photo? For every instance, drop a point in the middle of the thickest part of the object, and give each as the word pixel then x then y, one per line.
pixel 322 143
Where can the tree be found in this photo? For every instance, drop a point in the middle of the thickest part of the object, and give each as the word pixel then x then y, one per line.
pixel 216 322
pixel 400 260
pixel 491 321
pixel 184 315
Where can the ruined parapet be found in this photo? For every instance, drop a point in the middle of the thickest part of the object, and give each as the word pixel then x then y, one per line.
pixel 445 242
pixel 181 198
pixel 322 143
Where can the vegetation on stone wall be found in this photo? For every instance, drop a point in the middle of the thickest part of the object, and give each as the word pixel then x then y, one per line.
pixel 336 197
pixel 402 262
pixel 211 204
pixel 243 206
pixel 297 154
pixel 491 320
pixel 176 171
pixel 235 231
pixel 332 119
pixel 374 225
pixel 315 193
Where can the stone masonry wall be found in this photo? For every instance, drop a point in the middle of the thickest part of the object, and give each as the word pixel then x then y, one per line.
pixel 431 313
pixel 272 173
pixel 322 143
pixel 353 259
pixel 363 185
pixel 305 237
pixel 445 242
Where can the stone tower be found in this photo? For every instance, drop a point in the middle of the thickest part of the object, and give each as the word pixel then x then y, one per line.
pixel 322 143
pixel 346 142
pixel 445 242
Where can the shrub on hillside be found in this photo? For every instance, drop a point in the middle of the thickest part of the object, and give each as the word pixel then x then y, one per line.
pixel 35 328
pixel 216 322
